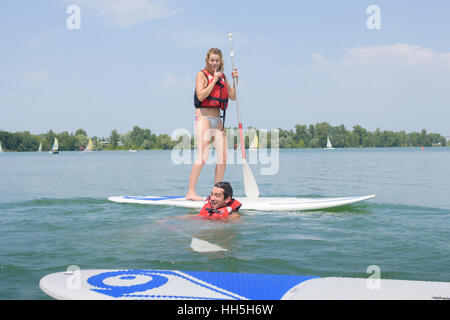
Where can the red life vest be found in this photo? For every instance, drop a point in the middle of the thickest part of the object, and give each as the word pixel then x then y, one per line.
pixel 220 213
pixel 218 98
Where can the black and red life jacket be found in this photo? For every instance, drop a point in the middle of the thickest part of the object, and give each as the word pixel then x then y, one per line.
pixel 220 213
pixel 218 98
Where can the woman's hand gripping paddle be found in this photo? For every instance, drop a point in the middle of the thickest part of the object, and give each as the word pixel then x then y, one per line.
pixel 250 186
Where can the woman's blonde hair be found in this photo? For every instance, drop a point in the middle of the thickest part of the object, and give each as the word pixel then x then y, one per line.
pixel 219 53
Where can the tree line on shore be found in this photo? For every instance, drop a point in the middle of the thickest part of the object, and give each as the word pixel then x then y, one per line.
pixel 302 136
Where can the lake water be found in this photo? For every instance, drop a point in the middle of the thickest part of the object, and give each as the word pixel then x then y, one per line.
pixel 55 213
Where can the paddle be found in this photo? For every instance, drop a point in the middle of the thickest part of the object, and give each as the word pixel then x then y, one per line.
pixel 198 245
pixel 250 186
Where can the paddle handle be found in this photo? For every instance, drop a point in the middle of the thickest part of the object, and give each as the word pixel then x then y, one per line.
pixel 241 130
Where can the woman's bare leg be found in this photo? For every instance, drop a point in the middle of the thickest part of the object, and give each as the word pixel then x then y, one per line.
pixel 220 143
pixel 202 138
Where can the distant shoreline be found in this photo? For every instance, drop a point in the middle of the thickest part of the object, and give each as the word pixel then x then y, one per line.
pixel 300 137
pixel 232 149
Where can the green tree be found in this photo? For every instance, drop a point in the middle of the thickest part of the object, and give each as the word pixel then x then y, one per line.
pixel 81 132
pixel 301 137
pixel 137 137
pixel 81 141
pixel 312 131
pixel 312 136
pixel 361 134
pixel 415 139
pixel 114 138
pixel 164 142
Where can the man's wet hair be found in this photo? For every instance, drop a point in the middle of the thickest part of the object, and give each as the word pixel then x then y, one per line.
pixel 227 190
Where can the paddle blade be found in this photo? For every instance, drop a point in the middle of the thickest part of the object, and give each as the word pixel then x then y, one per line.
pixel 250 186
pixel 204 246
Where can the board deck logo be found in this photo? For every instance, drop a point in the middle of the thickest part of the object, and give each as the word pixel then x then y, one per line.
pixel 156 284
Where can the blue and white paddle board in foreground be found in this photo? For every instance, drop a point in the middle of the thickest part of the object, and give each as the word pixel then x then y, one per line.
pixel 201 285
pixel 262 204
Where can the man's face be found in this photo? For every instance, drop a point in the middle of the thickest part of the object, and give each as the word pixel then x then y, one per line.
pixel 217 199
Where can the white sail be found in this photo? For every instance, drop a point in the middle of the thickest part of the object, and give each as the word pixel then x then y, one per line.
pixel 329 145
pixel 89 146
pixel 255 143
pixel 55 147
pixel 1 149
pixel 40 147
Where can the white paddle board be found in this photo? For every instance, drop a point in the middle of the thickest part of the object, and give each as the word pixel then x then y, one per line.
pixel 263 204
pixel 182 285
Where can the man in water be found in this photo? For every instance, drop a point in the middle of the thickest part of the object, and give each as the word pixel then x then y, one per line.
pixel 220 203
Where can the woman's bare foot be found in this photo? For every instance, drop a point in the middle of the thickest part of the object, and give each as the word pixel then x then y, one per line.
pixel 194 197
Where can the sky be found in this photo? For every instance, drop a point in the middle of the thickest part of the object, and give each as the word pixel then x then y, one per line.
pixel 114 64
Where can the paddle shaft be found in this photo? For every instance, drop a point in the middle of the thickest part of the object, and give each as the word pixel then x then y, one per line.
pixel 241 130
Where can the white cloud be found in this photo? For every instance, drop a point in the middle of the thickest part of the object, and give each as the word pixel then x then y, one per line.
pixel 319 59
pixel 44 38
pixel 172 81
pixel 130 12
pixel 399 70
pixel 33 76
pixel 191 37
pixel 399 54
pixel 389 86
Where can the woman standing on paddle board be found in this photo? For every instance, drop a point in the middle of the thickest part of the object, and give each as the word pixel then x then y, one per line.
pixel 212 91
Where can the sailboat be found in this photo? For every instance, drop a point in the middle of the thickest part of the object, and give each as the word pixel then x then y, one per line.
pixel 255 143
pixel 89 146
pixel 40 147
pixel 329 145
pixel 1 150
pixel 54 149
